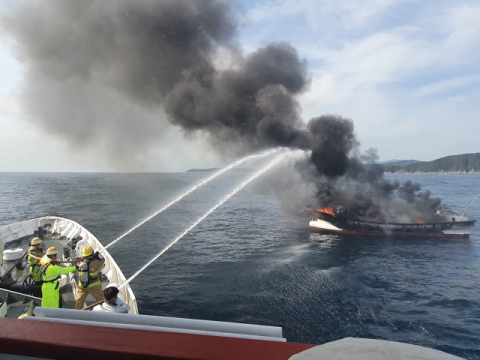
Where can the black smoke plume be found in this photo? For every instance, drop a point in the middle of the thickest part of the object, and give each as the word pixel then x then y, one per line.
pixel 118 74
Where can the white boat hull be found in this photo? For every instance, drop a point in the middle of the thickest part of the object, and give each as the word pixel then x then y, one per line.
pixel 322 225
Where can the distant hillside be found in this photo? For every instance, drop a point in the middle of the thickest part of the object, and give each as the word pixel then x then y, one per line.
pixel 465 163
pixel 235 169
pixel 397 165
pixel 203 170
pixel 399 162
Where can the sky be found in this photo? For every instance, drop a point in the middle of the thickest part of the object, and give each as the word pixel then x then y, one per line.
pixel 406 72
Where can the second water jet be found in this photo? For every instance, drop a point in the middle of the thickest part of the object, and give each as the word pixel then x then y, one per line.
pixel 271 164
pixel 218 173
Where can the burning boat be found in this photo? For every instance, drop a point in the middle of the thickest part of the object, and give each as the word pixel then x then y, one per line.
pixel 445 223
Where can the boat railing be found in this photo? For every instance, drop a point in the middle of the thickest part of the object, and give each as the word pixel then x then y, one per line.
pixel 16 231
pixel 9 296
pixel 70 229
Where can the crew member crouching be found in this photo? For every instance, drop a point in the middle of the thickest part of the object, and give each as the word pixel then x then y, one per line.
pixel 35 249
pixel 89 274
pixel 51 272
pixel 112 302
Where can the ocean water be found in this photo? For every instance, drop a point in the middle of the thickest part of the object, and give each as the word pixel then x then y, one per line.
pixel 251 262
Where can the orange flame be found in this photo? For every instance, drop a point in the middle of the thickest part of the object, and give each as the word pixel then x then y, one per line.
pixel 420 222
pixel 329 211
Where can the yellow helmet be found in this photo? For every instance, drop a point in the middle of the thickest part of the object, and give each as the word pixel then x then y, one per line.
pixel 52 251
pixel 87 251
pixel 35 241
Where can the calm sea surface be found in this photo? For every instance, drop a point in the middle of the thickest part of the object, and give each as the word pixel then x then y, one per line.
pixel 251 262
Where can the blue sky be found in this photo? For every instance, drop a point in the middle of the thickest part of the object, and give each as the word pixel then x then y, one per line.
pixel 406 72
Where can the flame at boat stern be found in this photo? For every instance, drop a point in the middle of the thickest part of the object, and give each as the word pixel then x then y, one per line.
pixel 328 212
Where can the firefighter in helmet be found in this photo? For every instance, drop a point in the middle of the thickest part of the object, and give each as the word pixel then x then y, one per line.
pixel 35 249
pixel 51 272
pixel 90 278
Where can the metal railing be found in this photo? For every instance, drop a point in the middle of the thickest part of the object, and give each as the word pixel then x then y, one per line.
pixel 19 229
pixel 8 295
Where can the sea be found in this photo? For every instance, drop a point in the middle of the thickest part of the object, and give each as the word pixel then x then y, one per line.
pixel 250 261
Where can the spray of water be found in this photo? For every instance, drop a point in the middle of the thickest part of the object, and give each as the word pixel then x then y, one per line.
pixel 218 173
pixel 226 198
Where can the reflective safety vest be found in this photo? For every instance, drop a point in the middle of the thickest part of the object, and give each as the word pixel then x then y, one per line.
pixel 92 278
pixel 50 287
pixel 35 252
pixel 53 275
pixel 35 272
pixel 52 272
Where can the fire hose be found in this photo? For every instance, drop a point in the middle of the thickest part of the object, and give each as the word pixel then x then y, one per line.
pixel 69 261
pixel 59 262
pixel 93 305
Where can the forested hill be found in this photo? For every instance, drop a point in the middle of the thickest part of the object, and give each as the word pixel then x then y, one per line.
pixel 465 163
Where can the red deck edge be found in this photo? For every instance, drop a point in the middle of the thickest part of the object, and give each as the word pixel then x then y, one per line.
pixel 68 341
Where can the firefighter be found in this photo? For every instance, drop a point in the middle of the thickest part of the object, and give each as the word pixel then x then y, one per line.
pixel 51 272
pixel 35 249
pixel 89 274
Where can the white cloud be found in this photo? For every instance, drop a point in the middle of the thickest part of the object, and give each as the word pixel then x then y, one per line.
pixel 448 84
pixel 463 41
pixel 273 10
pixel 379 58
pixel 15 128
pixel 13 123
pixel 352 13
pixel 380 77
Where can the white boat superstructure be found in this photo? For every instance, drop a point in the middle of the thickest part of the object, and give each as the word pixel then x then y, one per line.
pixel 69 238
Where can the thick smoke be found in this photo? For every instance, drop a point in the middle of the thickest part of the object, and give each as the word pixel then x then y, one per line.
pixel 249 107
pixel 98 72
pixel 113 72
pixel 119 74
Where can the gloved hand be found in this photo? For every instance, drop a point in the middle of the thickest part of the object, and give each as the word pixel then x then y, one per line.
pixel 76 267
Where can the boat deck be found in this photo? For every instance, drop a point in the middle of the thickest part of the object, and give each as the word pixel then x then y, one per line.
pixel 20 274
